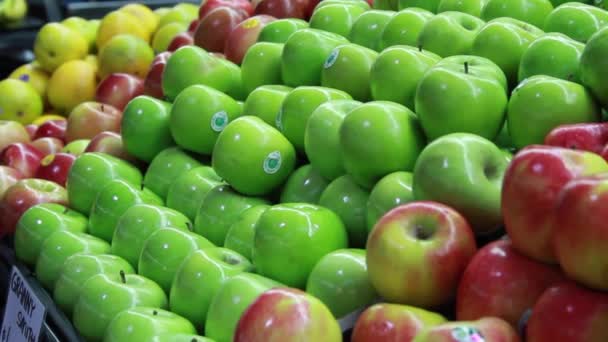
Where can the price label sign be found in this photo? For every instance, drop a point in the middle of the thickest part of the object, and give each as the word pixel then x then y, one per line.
pixel 24 313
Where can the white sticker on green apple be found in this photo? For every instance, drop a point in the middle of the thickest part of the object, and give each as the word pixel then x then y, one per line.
pixel 331 59
pixel 467 334
pixel 272 163
pixel 219 120
pixel 279 120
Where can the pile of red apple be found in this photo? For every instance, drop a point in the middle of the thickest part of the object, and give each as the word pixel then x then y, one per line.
pixel 414 170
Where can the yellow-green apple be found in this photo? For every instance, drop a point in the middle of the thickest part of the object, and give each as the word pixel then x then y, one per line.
pixel 531 11
pixel 472 7
pixel 450 33
pixel 390 192
pixel 348 68
pixel 337 18
pixel 368 28
pixel 398 136
pixel 530 192
pixel 163 252
pixel 91 172
pixel 213 30
pixel 404 27
pixel 222 207
pixel 203 107
pixel 143 323
pixel 104 296
pixel 90 118
pixel 76 147
pixel 77 269
pixel 166 166
pixel 118 89
pixel 264 101
pixel 279 30
pixel 241 233
pixel 244 6
pixel 304 185
pixel 47 145
pixel 153 80
pixel 452 79
pixel 19 101
pixel 198 279
pixel 484 329
pixel 341 282
pixel 578 21
pixel 110 143
pixel 12 132
pixel 55 167
pixel 501 282
pixel 503 41
pixel 56 44
pixel 464 171
pixel 282 314
pixel 51 128
pixel 243 36
pixel 284 230
pixel 429 5
pixel 393 322
pixel 397 71
pixel 568 312
pixel 249 143
pixel 262 66
pixel 593 66
pixel 230 302
pixel 322 137
pixel 304 55
pixel 8 177
pixel 552 54
pixel 23 157
pixel 187 191
pixel 541 103
pixel 24 194
pixel 423 240
pixel 138 223
pixel 59 246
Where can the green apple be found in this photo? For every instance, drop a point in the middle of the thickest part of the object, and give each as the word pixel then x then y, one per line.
pixel 450 33
pixel 211 71
pixel 552 54
pixel 199 278
pixel 530 11
pixel 503 139
pixel 363 4
pixel 594 70
pixel 145 324
pixel 285 230
pixel 138 223
pixel 304 185
pixel 104 296
pixel 576 20
pixel 112 201
pixel 186 192
pixel 390 192
pixel 145 127
pixel 38 223
pixel 261 65
pixel 91 172
pixel 164 250
pixel 236 91
pixel 503 41
pixel 429 5
pixel 541 103
pixel 341 282
pixel 251 144
pixel 279 30
pixel 169 164
pixel 348 200
pixel 230 302
pixel 397 71
pixel 240 235
pixel 77 269
pixel 76 147
pixel 397 136
pixel 474 97
pixel 220 209
pixel 472 7
pixel 87 29
pixel 303 56
pixel 368 28
pixel 404 27
pixel 58 247
pixel 207 109
pixel 297 108
pixel 322 137
pixel 465 172
pixel 348 68
pixel 265 102
pixel 171 337
pixel 337 18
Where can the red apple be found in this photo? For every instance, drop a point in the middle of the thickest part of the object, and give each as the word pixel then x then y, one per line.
pixel 281 9
pixel 153 81
pixel 48 145
pixel 91 118
pixel 592 137
pixel 25 194
pixel 213 30
pixel 500 282
pixel 243 36
pixel 31 130
pixel 531 186
pixel 23 157
pixel 8 177
pixel 487 329
pixel 193 25
pixel 55 167
pixel 243 6
pixel 118 89
pixel 52 129
pixel 181 39
pixel 109 143
pixel 569 313
pixel 12 132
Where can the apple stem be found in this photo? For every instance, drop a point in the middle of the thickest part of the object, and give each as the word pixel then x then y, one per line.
pixel 420 48
pixel 466 67
pixel 123 277
pixel 102 107
pixel 154 313
pixel 65 211
pixel 194 340
pixel 142 186
pixel 189 226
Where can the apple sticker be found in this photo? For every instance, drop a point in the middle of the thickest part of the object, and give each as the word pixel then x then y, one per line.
pixel 219 120
pixel 331 59
pixel 467 334
pixel 272 163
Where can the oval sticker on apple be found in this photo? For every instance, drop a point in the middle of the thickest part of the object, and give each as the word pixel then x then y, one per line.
pixel 272 163
pixel 331 59
pixel 279 119
pixel 219 120
pixel 467 334
pixel 251 23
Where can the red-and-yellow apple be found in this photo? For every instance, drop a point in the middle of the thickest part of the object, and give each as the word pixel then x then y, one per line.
pixel 181 39
pixel 486 329
pixel 91 118
pixel 55 167
pixel 8 177
pixel 213 30
pixel 110 143
pixel 118 89
pixel 243 36
pixel 12 132
pixel 47 145
pixel 52 129
pixel 244 6
pixel 153 81
pixel 23 157
pixel 592 137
